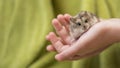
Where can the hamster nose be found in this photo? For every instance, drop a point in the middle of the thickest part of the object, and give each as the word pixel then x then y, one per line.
pixel 84 27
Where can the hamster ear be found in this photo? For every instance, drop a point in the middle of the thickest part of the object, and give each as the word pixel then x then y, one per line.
pixel 72 19
pixel 82 14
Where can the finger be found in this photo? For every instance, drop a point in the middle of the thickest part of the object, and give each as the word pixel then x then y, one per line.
pixel 77 57
pixel 58 46
pixel 49 37
pixel 57 25
pixel 67 17
pixel 62 32
pixel 56 43
pixel 66 54
pixel 90 54
pixel 62 20
pixel 52 37
pixel 50 48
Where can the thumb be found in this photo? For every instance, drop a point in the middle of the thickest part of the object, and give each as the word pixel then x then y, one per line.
pixel 66 54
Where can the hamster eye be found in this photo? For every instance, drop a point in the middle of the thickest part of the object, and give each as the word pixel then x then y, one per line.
pixel 78 23
pixel 86 21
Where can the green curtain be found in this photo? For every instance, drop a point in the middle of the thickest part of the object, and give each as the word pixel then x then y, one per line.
pixel 25 23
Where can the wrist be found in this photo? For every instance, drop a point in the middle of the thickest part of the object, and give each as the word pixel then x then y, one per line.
pixel 114 29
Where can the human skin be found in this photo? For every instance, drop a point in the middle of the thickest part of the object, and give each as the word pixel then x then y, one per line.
pixel 94 41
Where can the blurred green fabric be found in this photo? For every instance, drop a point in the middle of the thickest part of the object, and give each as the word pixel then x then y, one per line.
pixel 25 23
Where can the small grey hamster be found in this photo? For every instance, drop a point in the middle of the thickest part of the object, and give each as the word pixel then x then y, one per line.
pixel 80 23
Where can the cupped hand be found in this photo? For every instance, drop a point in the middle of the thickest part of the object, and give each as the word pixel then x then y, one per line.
pixel 91 43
